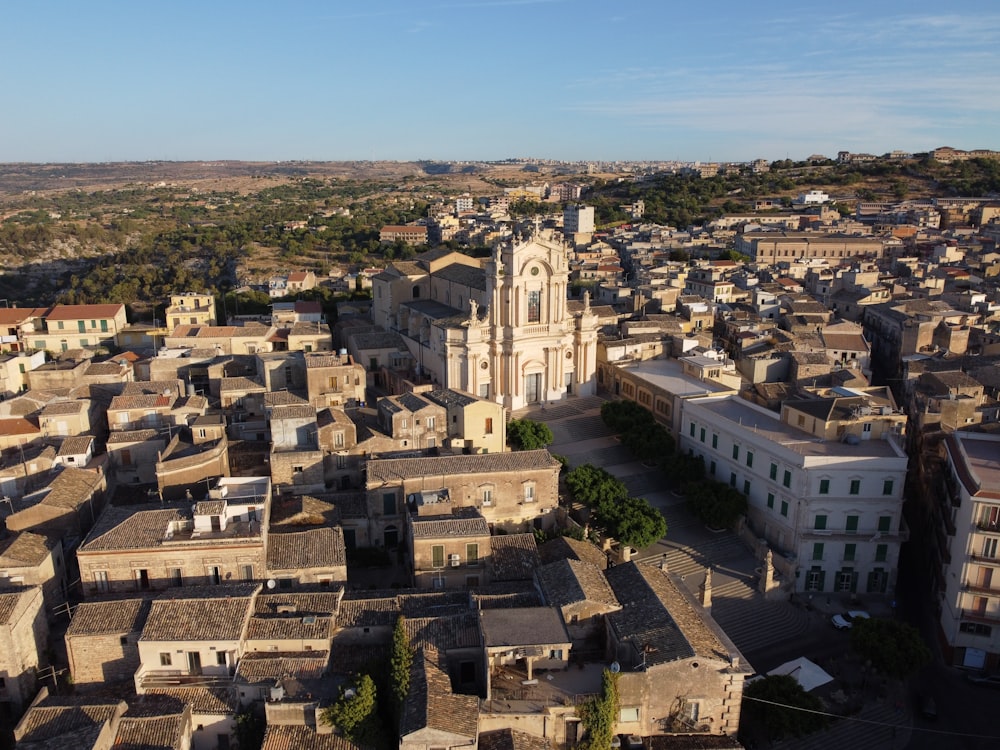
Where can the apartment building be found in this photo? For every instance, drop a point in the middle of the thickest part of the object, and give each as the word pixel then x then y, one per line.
pixel 79 326
pixel 190 308
pixel 970 605
pixel 824 481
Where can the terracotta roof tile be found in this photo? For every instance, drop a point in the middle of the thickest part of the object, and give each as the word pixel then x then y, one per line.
pixel 268 666
pixel 199 613
pixel 109 617
pixel 514 557
pixel 151 733
pixel 288 737
pixel 313 548
pixel 391 470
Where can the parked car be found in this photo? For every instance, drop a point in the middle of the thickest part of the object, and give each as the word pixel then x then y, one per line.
pixel 846 620
pixel 987 680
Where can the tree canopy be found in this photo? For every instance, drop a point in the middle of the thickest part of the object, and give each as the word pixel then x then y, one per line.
pixel 780 714
pixel 527 435
pixel 630 520
pixel 716 503
pixel 894 648
pixel 355 713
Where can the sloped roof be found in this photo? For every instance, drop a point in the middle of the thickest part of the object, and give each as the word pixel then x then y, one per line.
pixel 199 613
pixel 312 548
pixel 392 470
pixel 109 617
pixel 514 557
pixel 431 704
pixel 570 581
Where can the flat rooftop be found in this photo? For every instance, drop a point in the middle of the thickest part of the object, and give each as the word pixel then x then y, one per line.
pixel 769 425
pixel 668 374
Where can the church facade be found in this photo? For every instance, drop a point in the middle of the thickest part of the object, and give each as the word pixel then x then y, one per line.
pixel 504 330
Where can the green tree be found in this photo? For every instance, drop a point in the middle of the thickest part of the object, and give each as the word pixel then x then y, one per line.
pixel 599 714
pixel 783 708
pixel 400 662
pixel 632 521
pixel 354 714
pixel 249 730
pixel 591 485
pixel 528 435
pixel 715 503
pixel 894 648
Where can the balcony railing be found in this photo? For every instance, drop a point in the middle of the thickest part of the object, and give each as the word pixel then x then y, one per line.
pixel 990 618
pixel 989 526
pixel 981 560
pixel 975 588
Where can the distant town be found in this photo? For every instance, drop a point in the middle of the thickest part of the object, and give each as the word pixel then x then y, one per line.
pixel 333 459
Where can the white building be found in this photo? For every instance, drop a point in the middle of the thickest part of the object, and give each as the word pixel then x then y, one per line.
pixel 970 611
pixel 578 219
pixel 813 197
pixel 505 332
pixel 827 500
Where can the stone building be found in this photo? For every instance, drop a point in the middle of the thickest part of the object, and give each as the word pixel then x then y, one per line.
pixel 24 632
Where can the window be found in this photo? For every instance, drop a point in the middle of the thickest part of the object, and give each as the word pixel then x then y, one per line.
pixel 784 508
pixel 814 579
pixel 845 580
pixel 855 487
pixel 214 574
pixel 887 487
pixel 975 628
pixel 849 551
pixel 247 572
pixel 820 522
pixel 749 459
pixel 770 500
pixel 81 326
pixel 824 486
pixel 773 473
pixel 711 468
pixel 817 551
pixel 701 434
pixel 298 469
pixel 990 547
pixel 338 440
pixel 341 461
pixel 472 554
pixel 786 480
pixel 884 524
pixel 736 453
pixel 881 552
pixel 221 658
pixel 437 556
pixel 487 496
pixel 629 714
pixel 101 579
pixel 691 429
pixel 529 492
pixel 165 660
pixel 489 426
pixel 715 441
pixel 389 504
pixel 732 479
pixel 556 653
pixel 746 486
pixel 534 306
pixel 852 525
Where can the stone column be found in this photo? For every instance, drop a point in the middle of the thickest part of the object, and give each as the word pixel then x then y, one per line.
pixel 706 589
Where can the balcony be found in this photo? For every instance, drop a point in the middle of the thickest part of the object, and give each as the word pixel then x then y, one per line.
pixel 974 588
pixel 980 560
pixel 990 526
pixel 989 618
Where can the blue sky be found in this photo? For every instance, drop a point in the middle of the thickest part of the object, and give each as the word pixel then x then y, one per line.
pixel 491 79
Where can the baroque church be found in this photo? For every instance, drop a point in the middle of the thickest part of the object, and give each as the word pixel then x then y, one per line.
pixel 503 329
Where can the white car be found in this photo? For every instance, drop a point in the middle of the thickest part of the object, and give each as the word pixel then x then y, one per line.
pixel 846 621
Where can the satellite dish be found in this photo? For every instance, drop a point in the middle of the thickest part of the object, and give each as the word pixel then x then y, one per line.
pixel 616 667
pixel 271 583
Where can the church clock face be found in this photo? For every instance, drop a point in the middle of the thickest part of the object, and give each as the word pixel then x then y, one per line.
pixel 534 270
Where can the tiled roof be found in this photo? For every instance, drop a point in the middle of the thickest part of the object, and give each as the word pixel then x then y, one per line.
pixel 210 508
pixel 261 666
pixel 313 548
pixel 120 528
pixel 104 368
pixel 289 737
pixel 151 733
pixel 511 739
pixel 46 722
pixel 209 614
pixel 450 397
pixel 325 602
pixel 444 633
pixel 24 550
pixel 571 581
pixel 109 617
pixel 131 436
pixel 75 445
pixel 240 383
pixel 566 547
pixel 145 401
pixel 18 426
pixel 150 388
pixel 59 408
pixel 321 359
pixel 507 595
pixel 8 603
pixel 72 487
pixel 283 398
pixel 290 628
pixel 430 703
pixel 459 273
pixel 293 411
pixel 392 470
pixel 435 527
pixel 82 312
pixel 374 612
pixel 531 626
pixel 514 557
pixel 656 617
pixel 424 603
pixel 203 700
